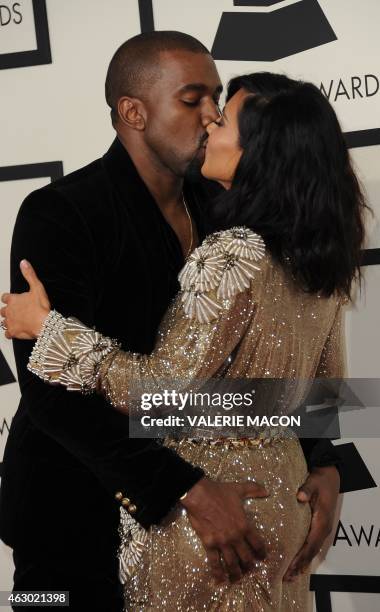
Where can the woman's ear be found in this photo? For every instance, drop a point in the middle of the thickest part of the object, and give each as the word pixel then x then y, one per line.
pixel 132 113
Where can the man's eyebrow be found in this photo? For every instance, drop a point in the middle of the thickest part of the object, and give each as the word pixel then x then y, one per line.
pixel 199 87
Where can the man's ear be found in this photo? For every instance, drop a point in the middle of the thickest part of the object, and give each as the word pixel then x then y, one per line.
pixel 132 112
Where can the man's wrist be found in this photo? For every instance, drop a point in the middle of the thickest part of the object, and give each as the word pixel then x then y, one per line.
pixel 330 471
pixel 325 468
pixel 187 499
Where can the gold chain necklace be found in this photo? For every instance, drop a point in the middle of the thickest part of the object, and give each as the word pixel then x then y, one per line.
pixel 191 225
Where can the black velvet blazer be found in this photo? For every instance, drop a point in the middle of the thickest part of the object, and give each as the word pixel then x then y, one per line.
pixel 106 255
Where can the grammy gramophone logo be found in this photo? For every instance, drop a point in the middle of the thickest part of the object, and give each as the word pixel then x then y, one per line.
pixel 269 36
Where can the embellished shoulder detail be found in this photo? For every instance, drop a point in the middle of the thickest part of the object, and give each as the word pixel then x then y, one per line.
pixel 223 265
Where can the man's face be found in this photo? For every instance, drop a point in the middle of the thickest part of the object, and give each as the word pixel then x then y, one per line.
pixel 180 105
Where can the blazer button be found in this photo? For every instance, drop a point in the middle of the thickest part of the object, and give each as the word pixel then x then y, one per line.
pixel 132 509
pixel 125 502
pixel 119 496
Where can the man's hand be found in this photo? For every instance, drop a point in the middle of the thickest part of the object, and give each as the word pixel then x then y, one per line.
pixel 321 491
pixel 216 513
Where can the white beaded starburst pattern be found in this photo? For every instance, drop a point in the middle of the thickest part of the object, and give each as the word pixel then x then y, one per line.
pixel 225 263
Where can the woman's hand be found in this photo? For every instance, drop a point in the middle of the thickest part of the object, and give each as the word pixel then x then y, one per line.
pixel 25 313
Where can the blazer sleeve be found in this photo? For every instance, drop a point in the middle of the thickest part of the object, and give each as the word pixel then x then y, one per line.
pixel 50 233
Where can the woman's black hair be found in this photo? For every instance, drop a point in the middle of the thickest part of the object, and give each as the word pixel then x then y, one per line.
pixel 294 184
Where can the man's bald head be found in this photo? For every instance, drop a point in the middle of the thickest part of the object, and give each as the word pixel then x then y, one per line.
pixel 135 66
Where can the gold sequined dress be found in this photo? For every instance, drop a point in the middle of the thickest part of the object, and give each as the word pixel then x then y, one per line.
pixel 237 307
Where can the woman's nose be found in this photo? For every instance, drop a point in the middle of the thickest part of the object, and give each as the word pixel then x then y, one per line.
pixel 210 127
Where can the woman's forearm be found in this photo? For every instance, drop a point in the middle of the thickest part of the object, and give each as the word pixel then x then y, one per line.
pixel 69 353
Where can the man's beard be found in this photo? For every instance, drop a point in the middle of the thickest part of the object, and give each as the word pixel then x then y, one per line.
pixel 193 171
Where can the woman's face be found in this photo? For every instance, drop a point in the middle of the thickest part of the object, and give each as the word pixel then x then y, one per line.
pixel 223 152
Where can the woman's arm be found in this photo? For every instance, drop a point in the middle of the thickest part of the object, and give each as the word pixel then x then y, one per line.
pixel 200 331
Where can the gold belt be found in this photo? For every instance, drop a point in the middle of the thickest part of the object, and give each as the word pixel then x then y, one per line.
pixel 231 443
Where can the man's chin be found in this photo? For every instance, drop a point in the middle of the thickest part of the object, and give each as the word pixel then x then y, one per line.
pixel 193 170
pixel 201 154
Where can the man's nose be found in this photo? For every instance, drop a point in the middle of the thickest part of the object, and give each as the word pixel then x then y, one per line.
pixel 210 113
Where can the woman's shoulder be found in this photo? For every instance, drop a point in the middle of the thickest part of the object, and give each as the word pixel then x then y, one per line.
pixel 241 241
pixel 221 267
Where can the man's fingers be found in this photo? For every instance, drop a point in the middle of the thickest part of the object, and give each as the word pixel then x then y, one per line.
pixel 215 563
pixel 318 532
pixel 5 298
pixel 300 562
pixel 256 543
pixel 231 562
pixel 246 555
pixel 3 312
pixel 29 274
pixel 304 494
pixel 253 489
pixel 308 492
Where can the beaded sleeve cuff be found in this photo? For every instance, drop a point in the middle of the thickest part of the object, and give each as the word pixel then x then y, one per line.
pixel 69 353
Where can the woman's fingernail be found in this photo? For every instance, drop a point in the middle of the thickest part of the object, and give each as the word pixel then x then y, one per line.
pixel 25 263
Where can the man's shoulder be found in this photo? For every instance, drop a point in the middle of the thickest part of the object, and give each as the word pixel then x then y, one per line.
pixel 79 183
pixel 77 190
